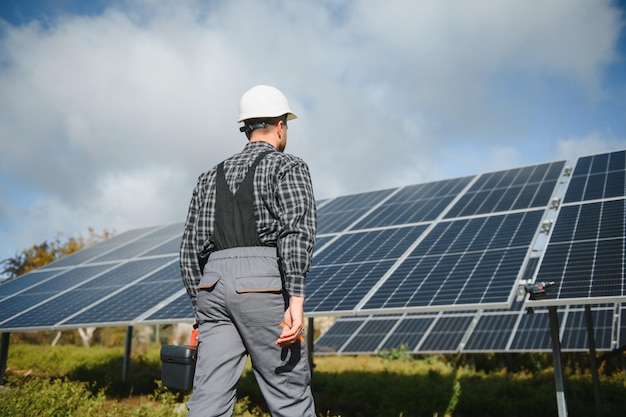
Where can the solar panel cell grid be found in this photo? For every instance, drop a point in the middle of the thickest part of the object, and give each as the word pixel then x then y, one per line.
pixel 521 188
pixel 586 254
pixel 575 335
pixel 492 333
pixel 348 269
pixel 344 287
pixel 615 184
pixel 337 336
pixel 369 246
pixel 21 283
pixel 141 245
pixel 369 336
pixel 179 309
pixel 99 249
pixel 598 176
pixel 338 214
pixel 533 333
pixel 62 306
pixel 128 304
pixel 126 273
pixel 408 333
pixel 446 335
pixel 19 304
pixel 413 204
pixel 137 299
pixel 44 292
pixel 448 271
pixel 170 247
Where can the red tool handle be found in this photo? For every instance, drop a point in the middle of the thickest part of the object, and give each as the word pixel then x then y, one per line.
pixel 194 338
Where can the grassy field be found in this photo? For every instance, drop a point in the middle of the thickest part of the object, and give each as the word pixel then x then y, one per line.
pixel 77 381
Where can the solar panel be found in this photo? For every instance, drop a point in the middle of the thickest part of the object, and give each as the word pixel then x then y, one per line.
pixel 415 204
pixel 134 301
pixel 14 286
pixel 408 333
pixel 60 304
pixel 446 334
pixel 575 334
pixel 370 336
pixel 533 333
pixel 461 263
pixel 44 292
pixel 333 339
pixel 515 189
pixel 175 310
pixel 139 246
pixel 472 261
pixel 106 278
pixel 491 333
pixel 473 332
pixel 598 176
pixel 99 249
pixel 338 214
pixel 586 250
pixel 347 268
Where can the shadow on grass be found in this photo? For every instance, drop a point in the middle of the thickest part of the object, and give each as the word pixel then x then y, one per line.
pixel 107 375
pixel 366 394
pixel 386 394
pixel 355 393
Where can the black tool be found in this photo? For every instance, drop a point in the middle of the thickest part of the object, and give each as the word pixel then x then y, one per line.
pixel 537 290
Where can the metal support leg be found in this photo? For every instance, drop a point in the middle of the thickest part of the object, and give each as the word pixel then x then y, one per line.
pixel 592 360
pixel 4 354
pixel 558 367
pixel 127 350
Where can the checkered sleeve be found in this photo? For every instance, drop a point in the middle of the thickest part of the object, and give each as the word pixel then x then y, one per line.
pixel 189 267
pixel 298 224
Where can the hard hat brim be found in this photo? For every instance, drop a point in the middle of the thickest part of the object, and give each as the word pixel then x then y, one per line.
pixel 244 117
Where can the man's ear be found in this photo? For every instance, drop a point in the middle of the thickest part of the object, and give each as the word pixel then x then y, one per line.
pixel 279 128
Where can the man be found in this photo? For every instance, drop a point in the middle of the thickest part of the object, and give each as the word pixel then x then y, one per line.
pixel 246 250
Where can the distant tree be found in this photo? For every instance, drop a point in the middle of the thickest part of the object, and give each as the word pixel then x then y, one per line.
pixel 44 253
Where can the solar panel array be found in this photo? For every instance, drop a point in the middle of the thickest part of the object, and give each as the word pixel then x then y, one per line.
pixel 436 266
pixel 479 331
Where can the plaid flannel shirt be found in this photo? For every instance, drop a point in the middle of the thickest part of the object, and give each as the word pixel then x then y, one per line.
pixel 286 215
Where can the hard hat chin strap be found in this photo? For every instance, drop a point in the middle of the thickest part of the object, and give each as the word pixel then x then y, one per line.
pixel 248 128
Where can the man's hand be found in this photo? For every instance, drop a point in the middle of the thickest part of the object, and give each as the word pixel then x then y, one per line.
pixel 293 323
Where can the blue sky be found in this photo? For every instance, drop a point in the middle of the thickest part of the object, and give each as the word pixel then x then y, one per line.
pixel 109 110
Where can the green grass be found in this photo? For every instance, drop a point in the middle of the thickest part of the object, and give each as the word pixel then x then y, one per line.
pixel 77 381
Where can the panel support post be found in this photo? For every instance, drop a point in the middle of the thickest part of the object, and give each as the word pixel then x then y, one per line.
pixel 310 336
pixel 592 360
pixel 127 350
pixel 4 354
pixel 558 367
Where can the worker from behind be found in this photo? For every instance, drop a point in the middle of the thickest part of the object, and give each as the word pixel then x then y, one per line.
pixel 246 249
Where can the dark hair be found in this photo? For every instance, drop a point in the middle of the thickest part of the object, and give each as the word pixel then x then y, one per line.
pixel 260 123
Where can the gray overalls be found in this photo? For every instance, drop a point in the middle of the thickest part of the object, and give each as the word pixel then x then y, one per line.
pixel 240 305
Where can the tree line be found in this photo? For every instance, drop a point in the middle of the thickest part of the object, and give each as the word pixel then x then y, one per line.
pixel 46 252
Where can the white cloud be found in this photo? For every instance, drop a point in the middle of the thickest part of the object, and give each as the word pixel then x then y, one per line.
pixel 134 198
pixel 387 95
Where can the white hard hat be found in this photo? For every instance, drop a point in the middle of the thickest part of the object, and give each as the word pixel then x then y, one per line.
pixel 263 101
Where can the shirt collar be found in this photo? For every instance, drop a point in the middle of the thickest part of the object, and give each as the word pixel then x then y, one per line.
pixel 259 146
